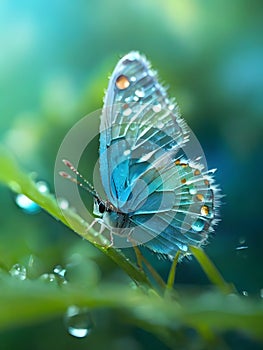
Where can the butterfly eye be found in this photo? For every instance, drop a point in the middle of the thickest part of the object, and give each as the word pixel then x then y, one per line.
pixel 122 82
pixel 101 208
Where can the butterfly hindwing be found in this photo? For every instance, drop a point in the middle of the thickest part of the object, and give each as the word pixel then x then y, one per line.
pixel 190 219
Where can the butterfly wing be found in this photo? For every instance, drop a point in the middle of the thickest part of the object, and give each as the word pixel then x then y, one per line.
pixel 144 170
pixel 191 218
pixel 138 125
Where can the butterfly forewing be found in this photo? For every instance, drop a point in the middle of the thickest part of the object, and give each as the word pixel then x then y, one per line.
pixel 138 125
pixel 170 201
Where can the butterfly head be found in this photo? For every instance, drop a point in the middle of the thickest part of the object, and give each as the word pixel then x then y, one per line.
pixel 99 207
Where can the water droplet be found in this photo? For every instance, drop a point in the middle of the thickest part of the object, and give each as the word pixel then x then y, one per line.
pixel 27 204
pixel 14 186
pixel 205 210
pixel 49 278
pixel 78 321
pixel 182 247
pixel 160 125
pixel 128 99
pixel 122 82
pixel 245 293
pixel 127 112
pixel 242 240
pixel 192 190
pixel 198 225
pixel 60 272
pixel 127 152
pixel 42 186
pixel 171 107
pixel 206 182
pixel 133 79
pixel 18 271
pixel 133 285
pixel 63 203
pixel 157 108
pixel 243 247
pixel 200 197
pixel 241 244
pixel 140 93
pixel 136 98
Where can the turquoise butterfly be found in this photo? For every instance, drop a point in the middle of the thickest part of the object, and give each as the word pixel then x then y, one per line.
pixel 155 195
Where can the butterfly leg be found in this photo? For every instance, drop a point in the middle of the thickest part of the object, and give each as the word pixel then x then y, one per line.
pixel 95 221
pixel 111 239
pixel 94 232
pixel 100 232
pixel 102 228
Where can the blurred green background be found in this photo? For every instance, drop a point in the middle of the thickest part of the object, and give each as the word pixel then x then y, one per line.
pixel 55 59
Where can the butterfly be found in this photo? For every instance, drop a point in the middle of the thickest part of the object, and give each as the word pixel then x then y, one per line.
pixel 156 194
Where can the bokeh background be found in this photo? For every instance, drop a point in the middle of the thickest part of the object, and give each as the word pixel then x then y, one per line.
pixel 55 60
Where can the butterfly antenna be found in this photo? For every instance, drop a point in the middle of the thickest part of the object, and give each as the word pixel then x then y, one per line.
pixel 83 183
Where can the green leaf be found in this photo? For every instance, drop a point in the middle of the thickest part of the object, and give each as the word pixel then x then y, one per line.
pixel 29 301
pixel 208 312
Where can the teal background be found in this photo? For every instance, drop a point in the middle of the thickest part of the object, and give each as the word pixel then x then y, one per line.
pixel 55 59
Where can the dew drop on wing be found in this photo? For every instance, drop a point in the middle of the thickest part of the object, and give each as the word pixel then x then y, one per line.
pixel 198 225
pixel 127 112
pixel 192 190
pixel 160 125
pixel 140 93
pixel 157 108
pixel 127 152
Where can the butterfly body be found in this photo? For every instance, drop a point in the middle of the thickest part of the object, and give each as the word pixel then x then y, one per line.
pixel 155 195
